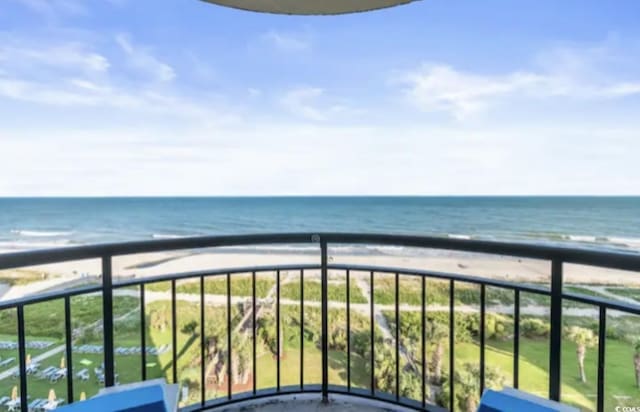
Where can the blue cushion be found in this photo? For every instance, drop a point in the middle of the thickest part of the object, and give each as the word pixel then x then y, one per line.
pixel 143 399
pixel 510 399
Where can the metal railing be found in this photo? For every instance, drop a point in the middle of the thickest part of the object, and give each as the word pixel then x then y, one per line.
pixel 557 256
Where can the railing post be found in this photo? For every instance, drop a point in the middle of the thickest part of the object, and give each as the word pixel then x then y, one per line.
pixel 555 348
pixel 22 357
pixel 325 322
pixel 107 320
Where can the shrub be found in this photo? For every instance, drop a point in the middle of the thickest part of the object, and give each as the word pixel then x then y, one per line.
pixel 534 328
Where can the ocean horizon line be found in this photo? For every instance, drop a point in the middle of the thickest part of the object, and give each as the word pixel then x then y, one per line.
pixel 400 196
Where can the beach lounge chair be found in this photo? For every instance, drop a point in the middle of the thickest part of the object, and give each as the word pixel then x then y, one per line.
pixel 44 373
pixel 32 368
pixel 51 405
pixel 59 374
pixel 83 375
pixel 50 371
pixel 13 405
pixel 34 404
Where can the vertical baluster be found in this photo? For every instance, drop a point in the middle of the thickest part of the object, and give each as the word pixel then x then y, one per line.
pixel 424 343
pixel 23 359
pixel 174 331
pixel 68 347
pixel 516 339
pixel 253 329
pixel 373 327
pixel 278 337
pixel 482 336
pixel 229 350
pixel 555 349
pixel 397 298
pixel 348 280
pixel 107 320
pixel 452 335
pixel 602 340
pixel 203 341
pixel 143 334
pixel 325 323
pixel 301 329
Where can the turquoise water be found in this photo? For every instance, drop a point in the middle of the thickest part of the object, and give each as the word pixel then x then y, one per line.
pixel 29 223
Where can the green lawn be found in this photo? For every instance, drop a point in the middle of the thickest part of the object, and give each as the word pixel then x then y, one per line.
pixel 241 285
pixel 336 292
pixel 534 364
pixel 45 320
pixel 633 293
pixel 17 277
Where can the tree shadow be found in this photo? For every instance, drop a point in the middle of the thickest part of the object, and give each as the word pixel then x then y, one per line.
pixel 182 351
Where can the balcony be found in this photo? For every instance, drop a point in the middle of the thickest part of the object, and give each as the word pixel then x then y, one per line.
pixel 329 330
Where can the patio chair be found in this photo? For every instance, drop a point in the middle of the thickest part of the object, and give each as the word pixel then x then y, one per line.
pixel 33 405
pixel 13 405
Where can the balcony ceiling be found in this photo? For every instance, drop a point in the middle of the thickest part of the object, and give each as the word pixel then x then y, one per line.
pixel 309 7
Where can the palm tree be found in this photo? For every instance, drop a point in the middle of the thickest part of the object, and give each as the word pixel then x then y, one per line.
pixel 467 384
pixel 636 362
pixel 467 387
pixel 583 338
pixel 437 333
pixel 384 367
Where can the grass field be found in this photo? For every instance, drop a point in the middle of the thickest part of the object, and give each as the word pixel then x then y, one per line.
pixel 45 322
pixel 17 277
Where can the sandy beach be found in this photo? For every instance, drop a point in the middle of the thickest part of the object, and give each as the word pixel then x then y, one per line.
pixel 70 274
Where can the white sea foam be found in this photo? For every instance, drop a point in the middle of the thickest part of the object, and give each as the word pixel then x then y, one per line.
pixel 456 236
pixel 40 233
pixel 582 238
pixel 627 241
pixel 167 236
pixel 9 246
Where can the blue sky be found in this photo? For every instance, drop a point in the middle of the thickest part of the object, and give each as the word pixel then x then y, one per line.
pixel 179 97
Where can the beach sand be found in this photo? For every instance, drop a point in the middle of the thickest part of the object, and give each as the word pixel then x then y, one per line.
pixel 70 274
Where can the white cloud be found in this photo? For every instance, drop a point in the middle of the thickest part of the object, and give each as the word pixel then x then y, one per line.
pixel 560 73
pixel 441 87
pixel 254 92
pixel 142 60
pixel 52 8
pixel 301 102
pixel 72 55
pixel 623 89
pixel 312 103
pixel 287 42
pixel 72 74
pixel 125 161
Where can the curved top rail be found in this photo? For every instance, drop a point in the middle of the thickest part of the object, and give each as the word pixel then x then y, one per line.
pixel 609 259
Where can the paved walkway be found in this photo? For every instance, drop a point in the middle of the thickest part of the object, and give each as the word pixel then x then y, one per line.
pixel 38 358
pixel 51 352
pixel 220 300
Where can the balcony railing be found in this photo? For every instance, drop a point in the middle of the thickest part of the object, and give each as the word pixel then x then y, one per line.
pixel 557 256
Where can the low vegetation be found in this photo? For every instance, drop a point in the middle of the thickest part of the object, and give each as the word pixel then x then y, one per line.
pixel 45 321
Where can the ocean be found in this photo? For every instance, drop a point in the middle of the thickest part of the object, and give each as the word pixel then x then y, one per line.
pixel 601 222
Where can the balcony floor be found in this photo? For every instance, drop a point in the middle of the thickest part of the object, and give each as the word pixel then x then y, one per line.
pixel 343 404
